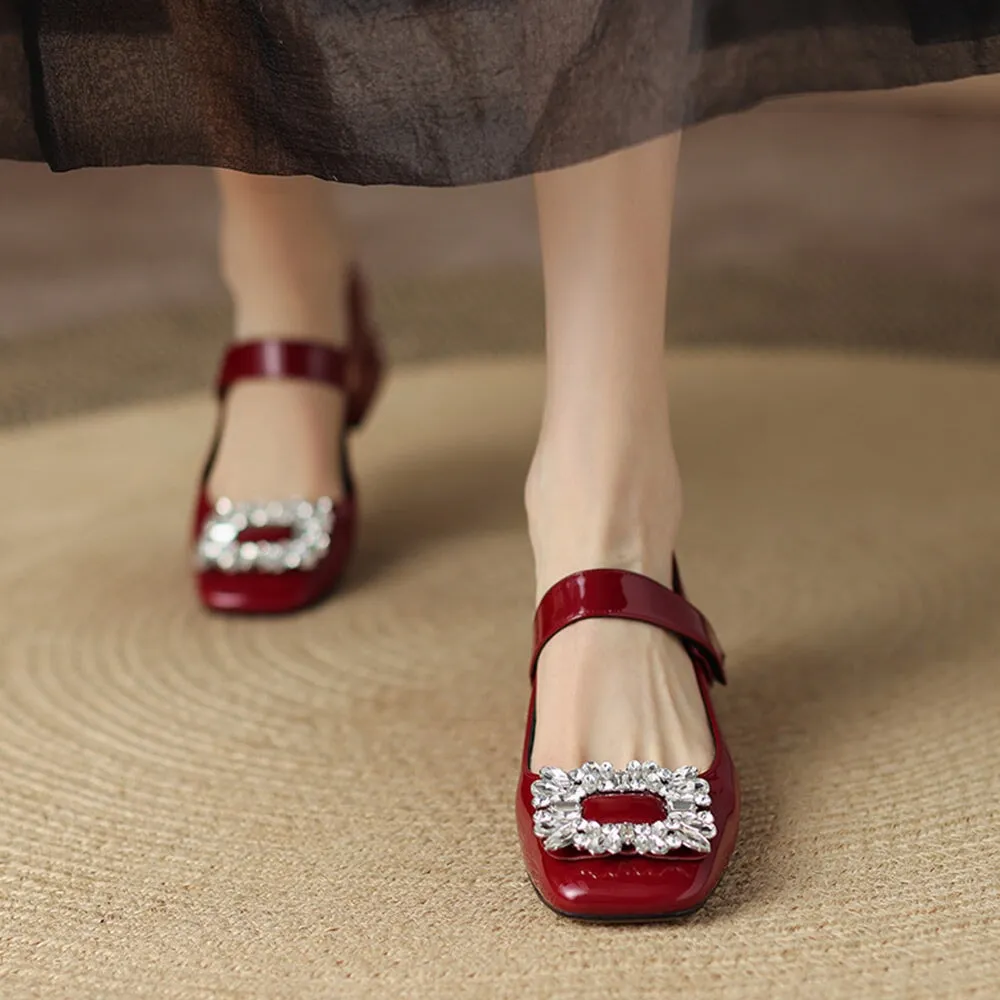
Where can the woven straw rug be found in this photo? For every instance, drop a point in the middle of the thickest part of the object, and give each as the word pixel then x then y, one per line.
pixel 321 806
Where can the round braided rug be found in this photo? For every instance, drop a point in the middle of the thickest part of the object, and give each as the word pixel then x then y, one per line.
pixel 321 806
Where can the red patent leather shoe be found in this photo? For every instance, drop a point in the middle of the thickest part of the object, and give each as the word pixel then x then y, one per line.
pixel 285 554
pixel 644 843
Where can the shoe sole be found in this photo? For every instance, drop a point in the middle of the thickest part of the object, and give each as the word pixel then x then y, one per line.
pixel 272 612
pixel 596 918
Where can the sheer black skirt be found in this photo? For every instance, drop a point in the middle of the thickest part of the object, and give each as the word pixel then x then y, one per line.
pixel 438 92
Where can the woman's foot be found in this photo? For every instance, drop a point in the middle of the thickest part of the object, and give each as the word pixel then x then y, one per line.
pixel 280 439
pixel 603 492
pixel 611 689
pixel 285 261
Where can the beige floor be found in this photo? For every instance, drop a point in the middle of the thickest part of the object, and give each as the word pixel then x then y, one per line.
pixel 321 806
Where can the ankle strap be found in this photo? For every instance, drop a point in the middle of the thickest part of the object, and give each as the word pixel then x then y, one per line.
pixel 283 359
pixel 614 593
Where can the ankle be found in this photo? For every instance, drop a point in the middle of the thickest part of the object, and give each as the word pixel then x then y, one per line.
pixel 588 514
pixel 313 306
pixel 284 257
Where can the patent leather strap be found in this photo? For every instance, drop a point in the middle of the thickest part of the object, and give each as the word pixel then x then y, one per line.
pixel 284 359
pixel 614 593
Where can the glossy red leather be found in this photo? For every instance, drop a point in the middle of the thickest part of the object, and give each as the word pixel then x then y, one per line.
pixel 624 808
pixel 367 372
pixel 357 371
pixel 266 593
pixel 283 359
pixel 612 593
pixel 630 887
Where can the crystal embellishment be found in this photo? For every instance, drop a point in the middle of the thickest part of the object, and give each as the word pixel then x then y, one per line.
pixel 557 799
pixel 309 527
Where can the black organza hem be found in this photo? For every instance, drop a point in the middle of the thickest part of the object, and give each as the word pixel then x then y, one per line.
pixel 437 92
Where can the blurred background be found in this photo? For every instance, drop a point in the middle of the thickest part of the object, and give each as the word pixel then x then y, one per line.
pixel 856 221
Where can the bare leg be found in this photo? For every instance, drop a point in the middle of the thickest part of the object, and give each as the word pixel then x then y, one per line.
pixel 284 258
pixel 604 489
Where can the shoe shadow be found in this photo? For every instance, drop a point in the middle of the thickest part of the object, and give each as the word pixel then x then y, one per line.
pixel 437 496
pixel 791 705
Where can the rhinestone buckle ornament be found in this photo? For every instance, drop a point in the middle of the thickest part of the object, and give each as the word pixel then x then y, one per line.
pixel 558 796
pixel 309 526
